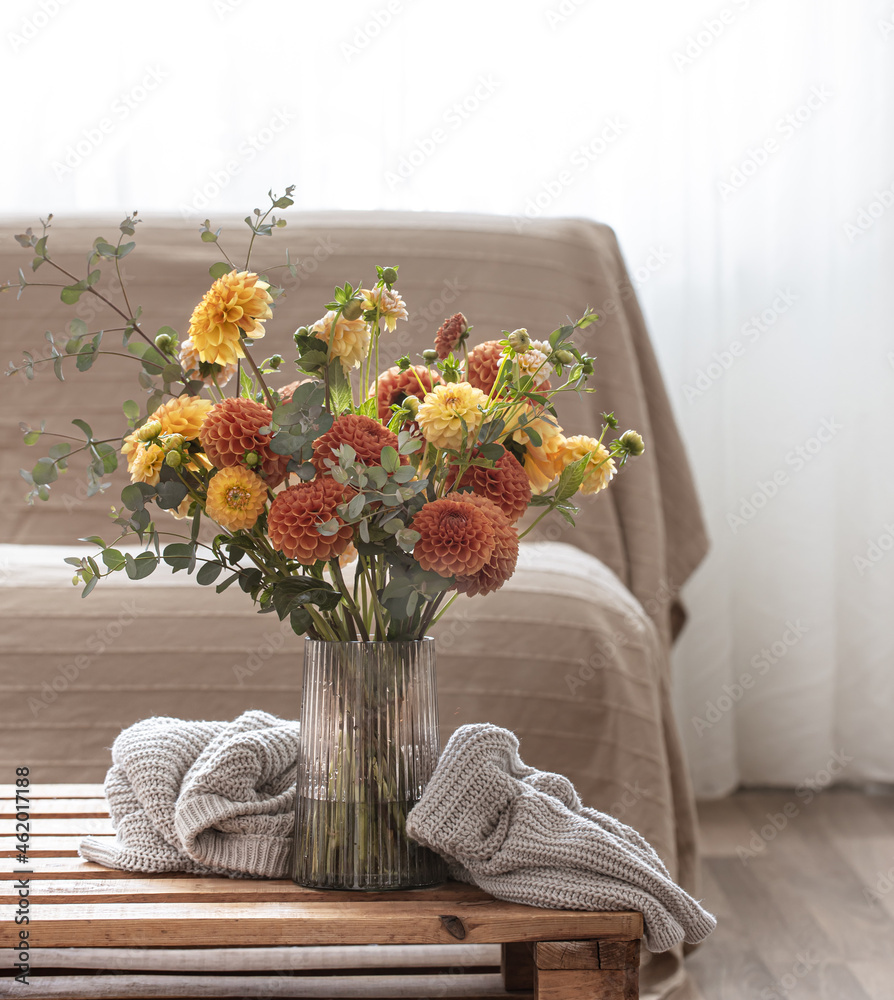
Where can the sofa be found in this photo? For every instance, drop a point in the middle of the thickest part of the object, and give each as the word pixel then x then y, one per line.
pixel 572 653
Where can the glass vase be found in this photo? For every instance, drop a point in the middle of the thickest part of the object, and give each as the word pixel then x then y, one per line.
pixel 368 746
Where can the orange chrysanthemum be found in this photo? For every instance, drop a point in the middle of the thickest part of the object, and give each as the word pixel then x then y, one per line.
pixel 450 334
pixel 457 537
pixel 235 498
pixel 506 484
pixel 484 365
pixel 236 304
pixel 501 565
pixel 232 429
pixel 366 436
pixel 393 386
pixel 297 512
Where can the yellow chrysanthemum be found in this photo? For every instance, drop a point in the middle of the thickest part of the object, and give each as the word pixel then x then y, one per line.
pixel 601 466
pixel 443 411
pixel 144 460
pixel 543 452
pixel 235 498
pixel 204 371
pixel 391 306
pixel 183 415
pixel 351 341
pixel 236 304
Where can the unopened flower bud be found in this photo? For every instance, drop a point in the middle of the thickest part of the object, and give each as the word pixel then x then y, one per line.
pixel 389 275
pixel 633 443
pixel 274 362
pixel 302 331
pixel 353 309
pixel 430 355
pixel 252 458
pixel 587 367
pixel 172 442
pixel 565 357
pixel 519 340
pixel 149 430
pixel 411 405
pixel 174 459
pixel 165 343
pixel 75 580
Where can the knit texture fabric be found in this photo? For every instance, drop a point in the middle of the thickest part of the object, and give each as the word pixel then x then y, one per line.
pixel 202 797
pixel 523 835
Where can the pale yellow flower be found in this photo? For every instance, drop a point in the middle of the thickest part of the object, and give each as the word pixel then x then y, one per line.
pixel 533 363
pixel 350 343
pixel 391 306
pixel 204 371
pixel 599 469
pixel 444 410
pixel 235 498
pixel 236 304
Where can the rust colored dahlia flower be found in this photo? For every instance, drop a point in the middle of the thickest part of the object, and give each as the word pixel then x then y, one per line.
pixel 445 409
pixel 393 386
pixel 350 342
pixel 506 484
pixel 236 304
pixel 366 436
pixel 235 498
pixel 457 537
pixel 204 371
pixel 450 334
pixel 484 364
pixel 501 565
pixel 600 468
pixel 231 429
pixel 295 515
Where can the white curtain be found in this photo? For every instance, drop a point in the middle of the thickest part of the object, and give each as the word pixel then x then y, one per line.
pixel 743 153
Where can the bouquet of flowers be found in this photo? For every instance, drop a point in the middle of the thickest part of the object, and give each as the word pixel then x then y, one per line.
pixel 417 473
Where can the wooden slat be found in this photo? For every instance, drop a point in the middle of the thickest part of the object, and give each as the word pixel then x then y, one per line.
pixel 567 955
pixel 190 889
pixel 217 960
pixel 56 807
pixel 50 826
pixel 580 984
pixel 226 924
pixel 517 966
pixel 56 791
pixel 74 868
pixel 142 987
pixel 45 847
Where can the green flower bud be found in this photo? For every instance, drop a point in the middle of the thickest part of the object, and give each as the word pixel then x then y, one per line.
pixel 411 405
pixel 174 459
pixel 565 357
pixel 274 362
pixel 389 275
pixel 519 340
pixel 165 343
pixel 75 580
pixel 353 310
pixel 252 458
pixel 171 442
pixel 430 355
pixel 587 367
pixel 633 443
pixel 149 430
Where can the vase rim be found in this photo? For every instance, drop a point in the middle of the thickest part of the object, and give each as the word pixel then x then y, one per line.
pixel 370 642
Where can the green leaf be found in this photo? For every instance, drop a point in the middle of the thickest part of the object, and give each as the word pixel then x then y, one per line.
pixel 389 459
pixel 44 472
pixel 93 540
pixel 221 587
pixel 492 452
pixel 571 478
pixel 355 507
pixel 180 555
pixel 91 583
pixel 339 388
pixel 31 437
pixel 83 426
pixel 209 573
pixel 171 494
pixel 132 497
pixel 300 620
pixel 144 564
pixel 60 450
pixel 208 237
pixel 86 357
pixel 125 249
pixel 131 409
pixel 407 539
pixel 113 559
pixel 77 328
pixel 219 269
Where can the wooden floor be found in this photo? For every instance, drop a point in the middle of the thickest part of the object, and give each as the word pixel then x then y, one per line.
pixel 804 893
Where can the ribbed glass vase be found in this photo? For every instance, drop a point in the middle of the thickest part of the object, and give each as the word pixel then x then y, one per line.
pixel 369 744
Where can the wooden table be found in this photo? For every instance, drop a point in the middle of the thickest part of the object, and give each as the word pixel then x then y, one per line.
pixel 97 932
